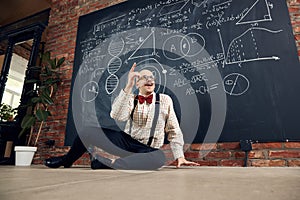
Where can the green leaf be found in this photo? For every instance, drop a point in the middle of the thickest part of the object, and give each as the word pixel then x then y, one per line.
pixel 49 81
pixel 46 99
pixel 42 88
pixel 30 92
pixel 36 99
pixel 60 62
pixel 28 121
pixel 46 91
pixel 55 62
pixel 42 115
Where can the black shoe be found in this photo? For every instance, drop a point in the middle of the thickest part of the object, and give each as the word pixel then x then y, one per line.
pixel 100 163
pixel 56 162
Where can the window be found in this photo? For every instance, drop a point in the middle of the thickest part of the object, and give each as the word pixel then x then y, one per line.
pixel 15 81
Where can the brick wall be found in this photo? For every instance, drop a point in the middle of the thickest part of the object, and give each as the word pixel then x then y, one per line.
pixel 61 39
pixel 229 154
pixel 294 10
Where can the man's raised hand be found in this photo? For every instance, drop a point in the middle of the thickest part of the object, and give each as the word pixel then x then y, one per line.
pixel 132 75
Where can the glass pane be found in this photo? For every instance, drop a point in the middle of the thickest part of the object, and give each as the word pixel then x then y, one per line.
pixel 7 98
pixel 15 81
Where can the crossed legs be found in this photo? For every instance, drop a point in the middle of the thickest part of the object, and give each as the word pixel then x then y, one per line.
pixel 133 154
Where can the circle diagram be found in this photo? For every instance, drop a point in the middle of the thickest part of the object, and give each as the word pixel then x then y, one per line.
pixel 89 91
pixel 236 84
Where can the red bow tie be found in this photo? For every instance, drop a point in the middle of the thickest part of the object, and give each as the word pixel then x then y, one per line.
pixel 148 99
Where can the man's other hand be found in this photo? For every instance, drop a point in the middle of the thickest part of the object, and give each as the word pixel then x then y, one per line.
pixel 183 161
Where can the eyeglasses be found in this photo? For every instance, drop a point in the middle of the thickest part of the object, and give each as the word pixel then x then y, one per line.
pixel 145 77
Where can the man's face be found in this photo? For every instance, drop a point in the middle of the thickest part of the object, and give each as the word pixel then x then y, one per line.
pixel 146 82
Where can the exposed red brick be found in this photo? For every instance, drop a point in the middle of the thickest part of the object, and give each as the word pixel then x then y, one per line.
pixel 285 154
pixel 268 163
pixel 294 10
pixel 192 155
pixel 293 2
pixel 256 154
pixel 293 163
pixel 271 145
pixel 297 29
pixel 239 154
pixel 277 163
pixel 229 145
pixel 292 145
pixel 206 146
pixel 218 155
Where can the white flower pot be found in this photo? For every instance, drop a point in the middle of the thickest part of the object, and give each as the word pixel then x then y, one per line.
pixel 24 155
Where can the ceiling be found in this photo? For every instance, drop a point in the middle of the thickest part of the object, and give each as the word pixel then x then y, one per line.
pixel 14 10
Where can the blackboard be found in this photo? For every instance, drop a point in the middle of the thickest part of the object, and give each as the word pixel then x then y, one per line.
pixel 230 66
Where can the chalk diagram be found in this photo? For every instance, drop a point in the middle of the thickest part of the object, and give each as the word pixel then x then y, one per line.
pixel 236 84
pixel 115 48
pixel 177 47
pixel 89 91
pixel 261 15
pixel 148 42
pixel 172 8
pixel 177 7
pixel 241 46
pixel 174 47
pixel 244 48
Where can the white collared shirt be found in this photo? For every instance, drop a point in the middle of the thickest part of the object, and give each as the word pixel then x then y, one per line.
pixel 142 121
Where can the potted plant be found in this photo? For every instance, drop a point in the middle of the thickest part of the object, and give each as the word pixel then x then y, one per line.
pixel 7 113
pixel 38 104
